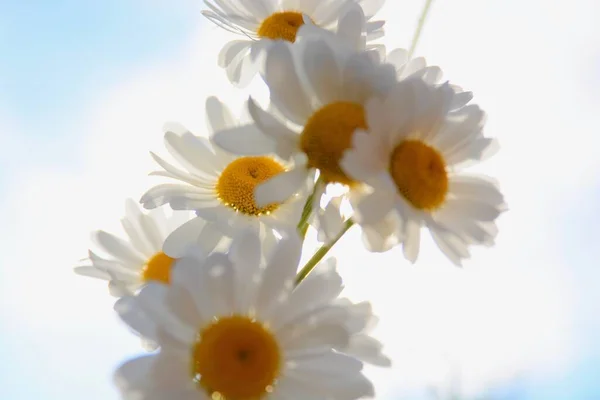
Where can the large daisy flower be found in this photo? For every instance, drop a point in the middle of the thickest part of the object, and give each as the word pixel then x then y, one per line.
pixel 234 328
pixel 411 157
pixel 220 186
pixel 154 241
pixel 262 22
pixel 318 90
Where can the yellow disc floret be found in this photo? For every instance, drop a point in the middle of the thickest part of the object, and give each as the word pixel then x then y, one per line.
pixel 236 185
pixel 236 358
pixel 327 134
pixel 419 172
pixel 281 25
pixel 158 268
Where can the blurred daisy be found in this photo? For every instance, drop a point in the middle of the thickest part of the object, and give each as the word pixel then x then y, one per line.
pixel 411 157
pixel 233 328
pixel 262 22
pixel 153 243
pixel 218 185
pixel 318 93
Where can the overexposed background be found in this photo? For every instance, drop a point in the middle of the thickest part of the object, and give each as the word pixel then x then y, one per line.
pixel 85 88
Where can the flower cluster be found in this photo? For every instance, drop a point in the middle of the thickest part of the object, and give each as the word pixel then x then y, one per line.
pixel 209 276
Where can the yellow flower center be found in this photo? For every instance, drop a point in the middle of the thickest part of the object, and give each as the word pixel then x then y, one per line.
pixel 235 187
pixel 327 134
pixel 281 25
pixel 236 358
pixel 158 268
pixel 419 172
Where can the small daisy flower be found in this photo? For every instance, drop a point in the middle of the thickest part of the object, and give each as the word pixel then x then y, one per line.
pixel 318 93
pixel 411 157
pixel 263 22
pixel 220 186
pixel 234 328
pixel 153 243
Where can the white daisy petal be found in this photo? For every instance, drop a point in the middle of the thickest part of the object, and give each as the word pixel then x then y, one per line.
pixel 231 51
pixel 322 72
pixel 368 349
pixel 351 26
pixel 315 291
pixel 281 187
pixel 137 235
pixel 245 255
pixel 374 207
pixel 278 276
pixel 476 187
pixel 474 209
pixel 92 272
pixel 412 240
pixel 151 300
pixel 330 364
pixel 218 116
pixel 246 140
pixel 450 245
pixel 330 222
pixel 118 247
pixel 194 231
pixel 286 89
pixel 138 320
pixel 285 139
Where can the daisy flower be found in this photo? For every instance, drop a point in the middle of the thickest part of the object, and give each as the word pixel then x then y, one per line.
pixel 220 186
pixel 318 91
pixel 411 157
pixel 263 22
pixel 234 328
pixel 153 243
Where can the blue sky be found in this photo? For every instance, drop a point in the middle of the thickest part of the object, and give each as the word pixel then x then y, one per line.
pixel 86 86
pixel 61 54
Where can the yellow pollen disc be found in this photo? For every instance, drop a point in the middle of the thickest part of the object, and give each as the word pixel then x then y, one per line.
pixel 327 134
pixel 158 268
pixel 281 25
pixel 236 358
pixel 235 187
pixel 419 172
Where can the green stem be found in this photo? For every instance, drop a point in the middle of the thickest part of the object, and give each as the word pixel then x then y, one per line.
pixel 319 254
pixel 417 35
pixel 307 210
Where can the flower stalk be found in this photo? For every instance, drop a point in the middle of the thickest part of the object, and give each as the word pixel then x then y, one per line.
pixel 322 252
